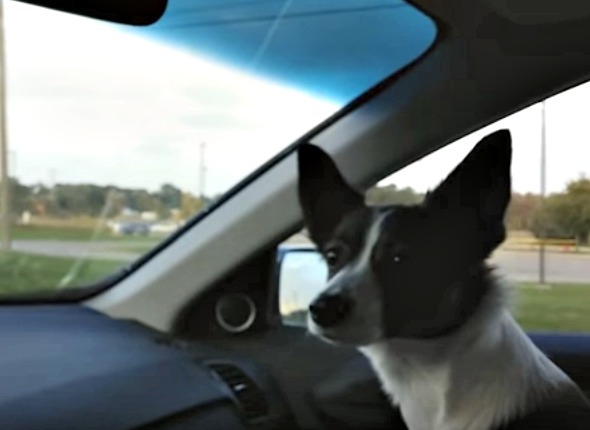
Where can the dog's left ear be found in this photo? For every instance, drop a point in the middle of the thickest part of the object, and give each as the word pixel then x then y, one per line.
pixel 478 191
pixel 325 196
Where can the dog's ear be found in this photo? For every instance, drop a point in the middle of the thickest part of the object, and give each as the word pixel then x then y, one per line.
pixel 324 195
pixel 477 193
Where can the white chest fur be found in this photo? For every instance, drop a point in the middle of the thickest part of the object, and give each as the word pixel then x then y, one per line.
pixel 422 398
pixel 419 391
pixel 474 381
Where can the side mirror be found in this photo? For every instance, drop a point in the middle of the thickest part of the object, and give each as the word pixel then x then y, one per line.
pixel 302 275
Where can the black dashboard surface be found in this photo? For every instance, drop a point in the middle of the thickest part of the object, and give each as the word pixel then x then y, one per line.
pixel 69 367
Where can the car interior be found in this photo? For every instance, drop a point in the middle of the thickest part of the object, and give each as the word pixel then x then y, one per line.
pixel 190 336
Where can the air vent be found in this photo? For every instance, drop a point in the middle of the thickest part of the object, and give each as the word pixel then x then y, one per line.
pixel 251 399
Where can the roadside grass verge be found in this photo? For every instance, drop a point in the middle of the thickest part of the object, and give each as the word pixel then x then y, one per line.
pixel 22 273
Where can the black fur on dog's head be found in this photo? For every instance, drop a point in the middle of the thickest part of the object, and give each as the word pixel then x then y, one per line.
pixel 404 271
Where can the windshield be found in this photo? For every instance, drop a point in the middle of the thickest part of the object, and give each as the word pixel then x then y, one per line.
pixel 117 136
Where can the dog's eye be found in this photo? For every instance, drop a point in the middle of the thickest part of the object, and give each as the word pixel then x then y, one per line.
pixel 400 254
pixel 333 254
pixel 332 257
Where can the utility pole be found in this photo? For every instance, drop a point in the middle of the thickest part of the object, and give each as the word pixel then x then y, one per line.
pixel 202 169
pixel 543 180
pixel 4 177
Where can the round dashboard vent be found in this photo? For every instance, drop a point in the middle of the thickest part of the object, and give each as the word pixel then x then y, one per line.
pixel 235 313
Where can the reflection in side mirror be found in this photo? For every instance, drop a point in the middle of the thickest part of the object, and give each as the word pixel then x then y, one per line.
pixel 303 274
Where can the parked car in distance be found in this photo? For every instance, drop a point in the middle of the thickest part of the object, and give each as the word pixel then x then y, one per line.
pixel 164 227
pixel 132 229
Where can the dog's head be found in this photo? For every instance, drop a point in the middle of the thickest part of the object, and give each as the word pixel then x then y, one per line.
pixel 402 271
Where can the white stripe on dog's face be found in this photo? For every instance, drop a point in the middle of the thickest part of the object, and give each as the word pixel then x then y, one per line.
pixel 363 261
pixel 359 266
pixel 356 281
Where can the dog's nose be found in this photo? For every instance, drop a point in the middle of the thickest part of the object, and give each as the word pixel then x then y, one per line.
pixel 329 309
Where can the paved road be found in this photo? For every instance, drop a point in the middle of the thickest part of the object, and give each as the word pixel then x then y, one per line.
pixel 559 267
pixel 515 265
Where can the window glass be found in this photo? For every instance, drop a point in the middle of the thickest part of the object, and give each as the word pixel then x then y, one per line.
pixel 546 256
pixel 117 136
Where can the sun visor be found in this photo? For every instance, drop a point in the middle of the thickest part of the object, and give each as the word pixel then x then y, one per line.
pixel 130 12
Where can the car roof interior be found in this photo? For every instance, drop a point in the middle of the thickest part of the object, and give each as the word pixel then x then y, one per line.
pixel 491 58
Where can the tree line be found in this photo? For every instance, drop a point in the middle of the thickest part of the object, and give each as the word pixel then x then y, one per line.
pixel 563 215
pixel 559 215
pixel 69 200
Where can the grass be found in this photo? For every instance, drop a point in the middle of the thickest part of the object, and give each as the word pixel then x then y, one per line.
pixel 51 233
pixel 559 307
pixel 22 273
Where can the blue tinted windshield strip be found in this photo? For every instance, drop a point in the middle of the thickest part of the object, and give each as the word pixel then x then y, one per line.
pixel 332 51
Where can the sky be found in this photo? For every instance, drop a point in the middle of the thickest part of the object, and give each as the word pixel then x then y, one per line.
pixel 90 103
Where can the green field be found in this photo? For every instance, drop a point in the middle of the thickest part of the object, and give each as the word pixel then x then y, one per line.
pixel 561 307
pixel 24 273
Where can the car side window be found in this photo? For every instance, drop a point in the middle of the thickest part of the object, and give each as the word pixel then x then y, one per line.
pixel 546 255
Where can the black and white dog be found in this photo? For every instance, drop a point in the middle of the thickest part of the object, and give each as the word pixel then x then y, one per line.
pixel 410 287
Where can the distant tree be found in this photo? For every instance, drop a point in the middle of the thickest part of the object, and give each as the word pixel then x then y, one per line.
pixel 66 200
pixel 190 205
pixel 69 199
pixel 115 202
pixel 41 202
pixel 390 194
pixel 566 215
pixel 20 197
pixel 521 210
pixel 141 200
pixel 170 196
pixel 94 198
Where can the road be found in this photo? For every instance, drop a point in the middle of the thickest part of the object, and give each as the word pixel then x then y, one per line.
pixel 99 250
pixel 515 265
pixel 559 267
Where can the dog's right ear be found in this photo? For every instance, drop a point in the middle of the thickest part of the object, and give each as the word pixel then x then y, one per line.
pixel 324 195
pixel 476 194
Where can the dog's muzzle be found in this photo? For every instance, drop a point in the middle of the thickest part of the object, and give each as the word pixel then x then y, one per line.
pixel 329 309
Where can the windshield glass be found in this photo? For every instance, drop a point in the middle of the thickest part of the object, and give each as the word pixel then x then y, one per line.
pixel 116 136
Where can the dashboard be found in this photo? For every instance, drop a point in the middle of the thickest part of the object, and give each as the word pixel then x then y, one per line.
pixel 68 367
